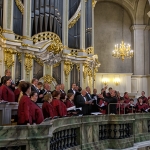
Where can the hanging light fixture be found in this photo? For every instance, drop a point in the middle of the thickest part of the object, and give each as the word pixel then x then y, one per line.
pixel 122 50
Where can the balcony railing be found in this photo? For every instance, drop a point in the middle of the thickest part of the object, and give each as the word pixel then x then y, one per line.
pixel 78 133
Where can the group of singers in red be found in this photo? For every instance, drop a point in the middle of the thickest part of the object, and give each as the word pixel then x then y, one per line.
pixel 55 103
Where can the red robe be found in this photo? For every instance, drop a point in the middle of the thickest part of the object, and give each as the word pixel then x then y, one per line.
pixel 126 99
pixel 48 110
pixel 64 109
pixel 69 103
pixel 130 108
pixel 24 114
pixel 57 107
pixel 121 108
pixel 104 106
pixel 141 108
pixel 7 94
pixel 36 113
pixel 17 93
pixel 145 100
pixel 0 94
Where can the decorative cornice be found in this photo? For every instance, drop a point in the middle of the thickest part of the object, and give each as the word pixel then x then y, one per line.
pixel 20 5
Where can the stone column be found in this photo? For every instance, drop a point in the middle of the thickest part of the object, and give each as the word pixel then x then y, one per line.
pixel 138 34
pixel 8 7
pixel 65 23
pixel 27 23
pixel 82 25
pixel 147 48
pixel 81 75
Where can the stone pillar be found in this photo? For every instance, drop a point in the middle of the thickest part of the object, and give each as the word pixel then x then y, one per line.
pixel 62 73
pixel 8 7
pixel 81 75
pixel 138 31
pixel 65 23
pixel 147 48
pixel 92 27
pixel 27 23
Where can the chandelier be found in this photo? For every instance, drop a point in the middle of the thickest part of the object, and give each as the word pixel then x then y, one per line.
pixel 122 51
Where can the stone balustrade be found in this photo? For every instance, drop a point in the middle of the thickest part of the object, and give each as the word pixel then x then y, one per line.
pixel 79 133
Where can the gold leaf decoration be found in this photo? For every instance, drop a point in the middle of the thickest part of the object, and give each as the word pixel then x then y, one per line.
pixel 74 52
pixel 87 71
pixel 19 54
pixel 56 65
pixel 94 3
pixel 48 79
pixel 73 22
pixel 9 57
pixel 20 5
pixel 28 62
pixel 39 61
pixel 90 50
pixel 68 66
pixel 56 45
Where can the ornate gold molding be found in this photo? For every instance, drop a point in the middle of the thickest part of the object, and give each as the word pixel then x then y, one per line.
pixel 56 45
pixel 74 52
pixel 73 22
pixel 19 54
pixel 18 37
pixel 78 67
pixel 28 62
pixel 9 57
pixel 87 71
pixel 39 61
pixel 95 71
pixel 90 50
pixel 20 5
pixel 48 79
pixel 94 3
pixel 68 66
pixel 75 17
pixel 56 65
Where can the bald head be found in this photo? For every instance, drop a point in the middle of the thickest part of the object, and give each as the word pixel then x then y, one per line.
pixel 83 92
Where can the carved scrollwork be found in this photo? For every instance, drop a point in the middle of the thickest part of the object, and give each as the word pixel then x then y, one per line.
pixel 28 62
pixel 74 52
pixel 19 56
pixel 87 71
pixel 75 17
pixel 68 66
pixel 9 57
pixel 48 79
pixel 90 50
pixel 20 5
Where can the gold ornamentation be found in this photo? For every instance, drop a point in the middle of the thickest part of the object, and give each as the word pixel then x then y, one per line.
pixel 18 37
pixel 28 62
pixel 48 79
pixel 56 46
pixel 87 71
pixel 56 65
pixel 9 57
pixel 90 50
pixel 20 5
pixel 39 61
pixel 74 52
pixel 75 17
pixel 78 67
pixel 94 3
pixel 19 54
pixel 73 22
pixel 68 66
